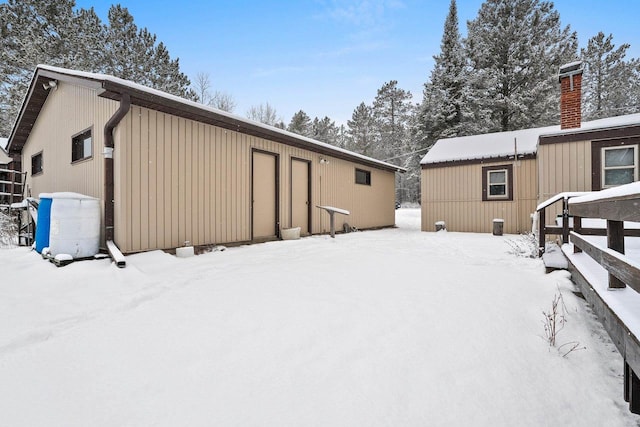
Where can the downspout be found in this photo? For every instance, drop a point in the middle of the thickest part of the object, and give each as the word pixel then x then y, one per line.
pixel 109 202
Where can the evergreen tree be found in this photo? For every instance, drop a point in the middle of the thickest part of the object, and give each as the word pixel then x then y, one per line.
pixel 52 32
pixel 343 139
pixel 392 111
pixel 515 48
pixel 87 42
pixel 362 130
pixel 301 124
pixel 610 83
pixel 134 55
pixel 32 32
pixel 325 130
pixel 442 110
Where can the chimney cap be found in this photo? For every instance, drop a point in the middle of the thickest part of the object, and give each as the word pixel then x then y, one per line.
pixel 570 69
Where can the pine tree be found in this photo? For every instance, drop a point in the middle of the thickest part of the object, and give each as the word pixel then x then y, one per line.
pixel 325 130
pixel 515 48
pixel 343 140
pixel 442 110
pixel 52 32
pixel 392 110
pixel 610 83
pixel 301 124
pixel 362 130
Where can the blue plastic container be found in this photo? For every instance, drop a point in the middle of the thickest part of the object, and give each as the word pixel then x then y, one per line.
pixel 43 226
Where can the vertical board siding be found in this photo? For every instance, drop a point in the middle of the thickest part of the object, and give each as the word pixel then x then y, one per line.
pixel 454 194
pixel 563 167
pixel 187 181
pixel 68 110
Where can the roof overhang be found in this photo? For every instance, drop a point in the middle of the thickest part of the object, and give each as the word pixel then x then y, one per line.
pixel 482 161
pixel 113 88
pixel 622 131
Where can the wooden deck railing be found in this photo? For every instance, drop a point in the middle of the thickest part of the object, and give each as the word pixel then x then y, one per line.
pixel 622 272
pixel 567 227
pixel 11 186
pixel 616 211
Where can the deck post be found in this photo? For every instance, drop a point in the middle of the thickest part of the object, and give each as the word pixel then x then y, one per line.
pixel 565 220
pixel 541 227
pixel 631 389
pixel 13 186
pixel 615 241
pixel 577 227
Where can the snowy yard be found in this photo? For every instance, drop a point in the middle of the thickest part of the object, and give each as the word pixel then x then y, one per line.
pixel 394 327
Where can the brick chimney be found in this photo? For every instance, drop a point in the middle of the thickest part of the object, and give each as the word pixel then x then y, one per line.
pixel 570 77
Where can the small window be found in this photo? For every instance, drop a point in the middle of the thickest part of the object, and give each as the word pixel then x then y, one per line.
pixel 619 165
pixel 363 177
pixel 81 146
pixel 497 183
pixel 36 164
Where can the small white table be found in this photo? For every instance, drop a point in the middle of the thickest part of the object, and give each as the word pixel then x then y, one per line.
pixel 331 210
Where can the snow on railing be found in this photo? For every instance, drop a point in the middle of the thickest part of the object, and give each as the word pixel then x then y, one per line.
pixel 616 310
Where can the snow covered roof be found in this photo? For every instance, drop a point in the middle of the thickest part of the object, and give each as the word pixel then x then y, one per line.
pixel 113 87
pixel 600 124
pixel 486 146
pixel 503 144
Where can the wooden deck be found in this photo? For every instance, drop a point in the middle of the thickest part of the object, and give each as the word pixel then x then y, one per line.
pixel 609 278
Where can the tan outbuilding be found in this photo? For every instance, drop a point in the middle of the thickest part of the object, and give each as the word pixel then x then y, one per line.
pixel 468 182
pixel 170 171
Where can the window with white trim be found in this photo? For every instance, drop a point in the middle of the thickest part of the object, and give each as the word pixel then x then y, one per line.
pixel 497 183
pixel 619 165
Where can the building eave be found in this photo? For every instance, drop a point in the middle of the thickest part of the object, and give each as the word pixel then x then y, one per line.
pixel 622 131
pixel 479 161
pixel 113 88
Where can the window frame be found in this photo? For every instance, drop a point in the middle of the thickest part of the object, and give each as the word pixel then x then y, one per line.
pixel 81 137
pixel 597 161
pixel 40 155
pixel 604 168
pixel 486 194
pixel 367 175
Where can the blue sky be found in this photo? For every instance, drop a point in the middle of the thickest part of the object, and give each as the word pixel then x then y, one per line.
pixel 327 56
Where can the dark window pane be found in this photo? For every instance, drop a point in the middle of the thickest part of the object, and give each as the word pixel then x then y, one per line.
pixel 497 190
pixel 36 164
pixel 81 146
pixel 618 176
pixel 363 177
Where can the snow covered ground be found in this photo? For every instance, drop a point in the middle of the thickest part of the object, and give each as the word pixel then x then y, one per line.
pixel 394 327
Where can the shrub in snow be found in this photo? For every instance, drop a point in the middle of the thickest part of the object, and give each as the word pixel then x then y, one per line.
pixel 525 245
pixel 555 321
pixel 8 230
